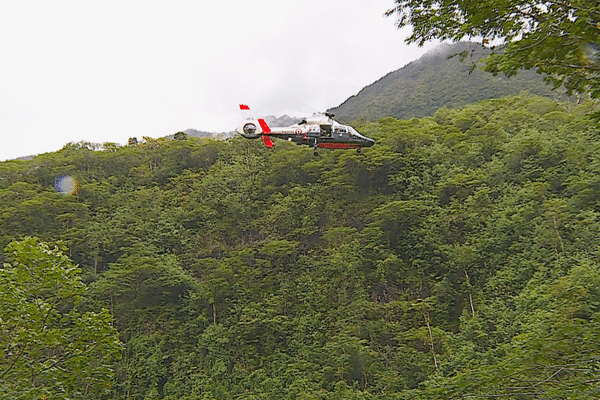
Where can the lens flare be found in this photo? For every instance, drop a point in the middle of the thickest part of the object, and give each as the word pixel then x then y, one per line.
pixel 66 185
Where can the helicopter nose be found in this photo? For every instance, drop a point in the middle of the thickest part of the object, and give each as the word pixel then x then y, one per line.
pixel 369 142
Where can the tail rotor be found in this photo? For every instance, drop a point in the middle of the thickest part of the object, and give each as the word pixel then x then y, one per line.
pixel 253 128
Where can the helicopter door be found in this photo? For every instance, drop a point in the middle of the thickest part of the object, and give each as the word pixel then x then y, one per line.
pixel 326 130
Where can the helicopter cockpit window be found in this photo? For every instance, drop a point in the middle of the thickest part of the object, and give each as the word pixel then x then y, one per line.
pixel 340 129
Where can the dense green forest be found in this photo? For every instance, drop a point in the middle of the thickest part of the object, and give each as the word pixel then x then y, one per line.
pixel 457 258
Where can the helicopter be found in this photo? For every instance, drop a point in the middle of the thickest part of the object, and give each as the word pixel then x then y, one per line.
pixel 320 130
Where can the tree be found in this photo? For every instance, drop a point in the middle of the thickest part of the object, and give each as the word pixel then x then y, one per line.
pixel 557 37
pixel 180 136
pixel 49 346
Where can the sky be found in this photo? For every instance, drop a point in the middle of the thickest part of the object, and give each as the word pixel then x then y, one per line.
pixel 105 71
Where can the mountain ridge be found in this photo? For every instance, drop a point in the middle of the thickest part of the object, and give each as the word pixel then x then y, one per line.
pixel 447 76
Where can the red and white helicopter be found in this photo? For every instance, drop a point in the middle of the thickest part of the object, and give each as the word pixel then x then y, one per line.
pixel 320 130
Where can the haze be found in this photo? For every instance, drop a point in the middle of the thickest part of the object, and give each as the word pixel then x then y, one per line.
pixel 104 71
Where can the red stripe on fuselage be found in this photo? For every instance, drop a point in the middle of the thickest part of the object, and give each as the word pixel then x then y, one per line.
pixel 263 125
pixel 339 145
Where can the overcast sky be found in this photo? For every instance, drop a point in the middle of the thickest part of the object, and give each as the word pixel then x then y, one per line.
pixel 104 71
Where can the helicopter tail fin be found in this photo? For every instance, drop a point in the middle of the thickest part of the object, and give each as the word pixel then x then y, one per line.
pixel 246 113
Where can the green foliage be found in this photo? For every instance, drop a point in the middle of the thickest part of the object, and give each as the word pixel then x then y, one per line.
pixel 49 345
pixel 557 38
pixel 456 258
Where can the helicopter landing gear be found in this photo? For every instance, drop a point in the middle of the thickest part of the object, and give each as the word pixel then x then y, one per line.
pixel 358 150
pixel 315 145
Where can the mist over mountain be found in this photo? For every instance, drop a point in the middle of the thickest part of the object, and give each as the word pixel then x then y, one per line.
pixel 438 79
pixel 284 120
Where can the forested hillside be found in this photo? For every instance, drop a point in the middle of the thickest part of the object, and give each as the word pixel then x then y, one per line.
pixel 450 76
pixel 457 258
